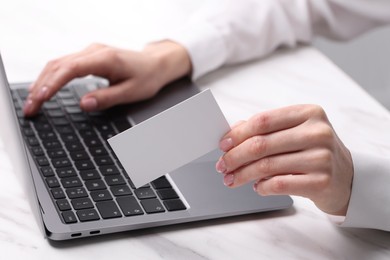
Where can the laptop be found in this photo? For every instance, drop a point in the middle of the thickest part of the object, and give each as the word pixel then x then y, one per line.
pixel 78 188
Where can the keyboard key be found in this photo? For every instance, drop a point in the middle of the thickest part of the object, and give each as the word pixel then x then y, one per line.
pixel 71 182
pixel 52 144
pixel 161 183
pixel 61 162
pixel 74 146
pixel 47 171
pixel 108 170
pixel 28 131
pixel 74 193
pixel 79 155
pixel 56 153
pixel 92 142
pixel 165 194
pixel 144 193
pixel 69 102
pixel 121 190
pixel 49 105
pixel 73 110
pixel 112 180
pixel 63 205
pixel 87 215
pixel 37 151
pixel 69 138
pixel 82 203
pixel 98 151
pixel 104 160
pixel 32 141
pixel 69 217
pixel 108 209
pixel 83 126
pixel 152 206
pixel 66 172
pixel 87 133
pixel 173 205
pixel 42 126
pixel 42 161
pixel 65 93
pixel 65 129
pixel 101 195
pixel 48 135
pixel 95 185
pixel 122 124
pixel 84 165
pixel 52 182
pixel 129 206
pixel 55 113
pixel 60 121
pixel 90 175
pixel 57 193
pixel 78 118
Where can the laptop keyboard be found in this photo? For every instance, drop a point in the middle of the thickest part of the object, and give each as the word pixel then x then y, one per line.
pixel 82 174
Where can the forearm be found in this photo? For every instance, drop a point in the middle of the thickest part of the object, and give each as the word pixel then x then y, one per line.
pixel 229 31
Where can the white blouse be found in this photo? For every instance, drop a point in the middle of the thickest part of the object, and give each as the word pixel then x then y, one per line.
pixel 234 31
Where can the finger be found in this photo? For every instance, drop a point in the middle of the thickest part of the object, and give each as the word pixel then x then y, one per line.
pixel 303 162
pixel 124 92
pixel 292 184
pixel 94 63
pixel 268 122
pixel 50 66
pixel 107 97
pixel 304 136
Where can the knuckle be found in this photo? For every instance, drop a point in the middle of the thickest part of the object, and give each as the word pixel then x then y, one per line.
pixel 96 45
pixel 229 160
pixel 278 185
pixel 261 122
pixel 264 165
pixel 53 64
pixel 258 145
pixel 321 133
pixel 111 54
pixel 316 110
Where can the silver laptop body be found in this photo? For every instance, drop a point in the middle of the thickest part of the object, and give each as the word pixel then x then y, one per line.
pixel 197 185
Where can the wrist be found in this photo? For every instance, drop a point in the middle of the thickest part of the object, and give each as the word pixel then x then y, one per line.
pixel 171 60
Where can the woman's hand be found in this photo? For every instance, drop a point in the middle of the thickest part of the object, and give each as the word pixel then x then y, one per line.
pixel 292 150
pixel 132 75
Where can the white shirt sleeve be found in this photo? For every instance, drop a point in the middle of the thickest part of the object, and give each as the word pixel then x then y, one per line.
pixel 231 31
pixel 369 205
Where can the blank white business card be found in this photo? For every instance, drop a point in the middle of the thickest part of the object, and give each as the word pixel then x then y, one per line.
pixel 170 139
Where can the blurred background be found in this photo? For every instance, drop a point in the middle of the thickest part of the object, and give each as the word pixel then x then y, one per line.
pixel 366 59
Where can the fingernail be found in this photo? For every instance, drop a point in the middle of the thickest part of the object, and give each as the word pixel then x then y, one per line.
pixel 226 144
pixel 255 186
pixel 221 166
pixel 89 103
pixel 228 179
pixel 42 93
pixel 27 106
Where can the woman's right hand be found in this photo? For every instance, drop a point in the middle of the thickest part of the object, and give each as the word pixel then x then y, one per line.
pixel 132 75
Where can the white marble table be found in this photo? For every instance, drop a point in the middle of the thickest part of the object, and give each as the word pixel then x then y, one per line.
pixel 32 33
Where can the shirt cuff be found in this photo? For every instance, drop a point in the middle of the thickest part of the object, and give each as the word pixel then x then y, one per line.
pixel 370 198
pixel 204 44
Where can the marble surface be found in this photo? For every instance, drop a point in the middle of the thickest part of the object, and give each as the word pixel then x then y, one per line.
pixel 32 33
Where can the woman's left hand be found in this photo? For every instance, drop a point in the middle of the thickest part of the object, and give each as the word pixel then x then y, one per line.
pixel 292 150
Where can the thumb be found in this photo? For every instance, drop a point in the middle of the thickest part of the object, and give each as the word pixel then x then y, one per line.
pixel 106 97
